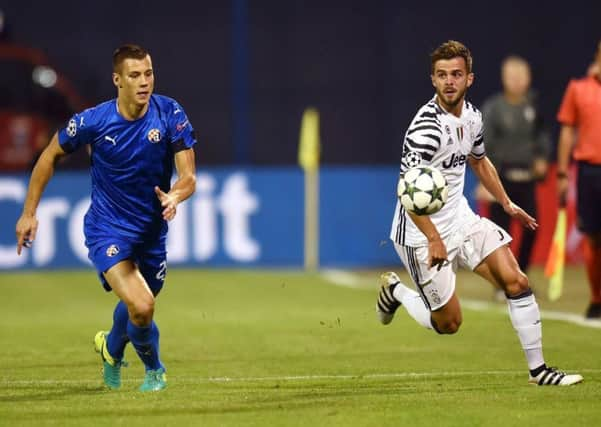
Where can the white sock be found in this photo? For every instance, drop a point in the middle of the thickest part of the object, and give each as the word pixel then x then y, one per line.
pixel 414 305
pixel 525 318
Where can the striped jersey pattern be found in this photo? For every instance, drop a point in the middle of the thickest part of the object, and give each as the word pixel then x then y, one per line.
pixel 442 140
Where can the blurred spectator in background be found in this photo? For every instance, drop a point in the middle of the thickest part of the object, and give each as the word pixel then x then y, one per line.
pixel 518 145
pixel 34 100
pixel 580 118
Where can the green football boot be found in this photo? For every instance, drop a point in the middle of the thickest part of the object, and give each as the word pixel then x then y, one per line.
pixel 111 368
pixel 154 380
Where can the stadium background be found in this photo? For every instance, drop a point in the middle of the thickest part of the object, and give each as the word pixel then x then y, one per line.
pixel 245 71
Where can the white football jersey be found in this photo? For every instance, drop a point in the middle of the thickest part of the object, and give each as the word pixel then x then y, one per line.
pixel 442 140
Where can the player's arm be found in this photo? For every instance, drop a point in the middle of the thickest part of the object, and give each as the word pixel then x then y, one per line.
pixel 437 251
pixel 183 188
pixel 489 178
pixel 42 172
pixel 567 138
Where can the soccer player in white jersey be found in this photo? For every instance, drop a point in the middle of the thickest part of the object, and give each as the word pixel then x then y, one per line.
pixel 447 133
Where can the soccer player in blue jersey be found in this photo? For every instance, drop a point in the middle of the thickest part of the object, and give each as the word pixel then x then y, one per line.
pixel 134 140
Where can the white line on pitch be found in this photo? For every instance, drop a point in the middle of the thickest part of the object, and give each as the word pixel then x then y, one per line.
pixel 317 377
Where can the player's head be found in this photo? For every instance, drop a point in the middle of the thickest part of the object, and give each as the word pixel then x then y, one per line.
pixel 595 67
pixel 515 75
pixel 451 73
pixel 132 74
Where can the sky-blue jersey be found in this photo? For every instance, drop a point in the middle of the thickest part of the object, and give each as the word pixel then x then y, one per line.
pixel 128 159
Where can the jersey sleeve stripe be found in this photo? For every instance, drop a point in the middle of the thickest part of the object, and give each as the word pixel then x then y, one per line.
pixel 478 156
pixel 435 138
pixel 423 127
pixel 430 114
pixel 433 121
pixel 180 145
pixel 419 147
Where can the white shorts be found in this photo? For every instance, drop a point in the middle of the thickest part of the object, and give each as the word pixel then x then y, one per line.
pixel 467 247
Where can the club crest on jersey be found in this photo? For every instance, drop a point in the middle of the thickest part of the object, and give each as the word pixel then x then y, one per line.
pixel 112 250
pixel 154 135
pixel 413 159
pixel 460 133
pixel 434 296
pixel 72 128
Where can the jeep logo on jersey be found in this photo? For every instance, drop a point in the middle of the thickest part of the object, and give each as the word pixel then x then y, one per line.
pixel 457 159
pixel 154 135
pixel 112 250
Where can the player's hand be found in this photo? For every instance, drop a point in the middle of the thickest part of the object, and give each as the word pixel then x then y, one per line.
pixel 518 213
pixel 168 202
pixel 26 228
pixel 437 253
pixel 539 168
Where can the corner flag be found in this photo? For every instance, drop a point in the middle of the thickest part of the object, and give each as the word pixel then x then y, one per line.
pixel 308 158
pixel 556 259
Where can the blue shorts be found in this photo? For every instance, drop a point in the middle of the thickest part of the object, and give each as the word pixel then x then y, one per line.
pixel 588 208
pixel 150 256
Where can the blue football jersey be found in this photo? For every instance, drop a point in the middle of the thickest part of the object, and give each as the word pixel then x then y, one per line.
pixel 128 159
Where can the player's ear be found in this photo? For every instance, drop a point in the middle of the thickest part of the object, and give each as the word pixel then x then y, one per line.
pixel 470 79
pixel 117 80
pixel 432 78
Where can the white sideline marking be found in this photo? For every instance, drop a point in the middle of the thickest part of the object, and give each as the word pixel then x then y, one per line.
pixel 342 377
pixel 351 280
pixel 343 278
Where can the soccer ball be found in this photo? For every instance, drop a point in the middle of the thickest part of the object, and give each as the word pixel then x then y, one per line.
pixel 422 190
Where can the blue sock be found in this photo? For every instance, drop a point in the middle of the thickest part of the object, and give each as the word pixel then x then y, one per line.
pixel 145 340
pixel 117 339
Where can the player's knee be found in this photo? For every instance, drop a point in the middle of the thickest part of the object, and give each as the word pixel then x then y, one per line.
pixel 518 285
pixel 141 312
pixel 447 326
pixel 452 327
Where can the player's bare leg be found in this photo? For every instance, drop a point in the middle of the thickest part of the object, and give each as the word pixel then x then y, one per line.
pixel 128 284
pixel 448 318
pixel 501 268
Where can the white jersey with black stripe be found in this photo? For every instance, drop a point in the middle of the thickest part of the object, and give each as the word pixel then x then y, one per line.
pixel 442 140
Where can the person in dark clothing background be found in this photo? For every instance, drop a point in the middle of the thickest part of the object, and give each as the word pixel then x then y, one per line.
pixel 518 145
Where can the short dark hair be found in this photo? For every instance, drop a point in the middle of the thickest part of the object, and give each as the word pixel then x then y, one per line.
pixel 127 51
pixel 449 50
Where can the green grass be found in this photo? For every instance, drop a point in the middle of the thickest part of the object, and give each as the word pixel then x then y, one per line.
pixel 270 348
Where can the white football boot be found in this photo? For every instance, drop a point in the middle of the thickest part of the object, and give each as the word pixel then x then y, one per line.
pixel 552 376
pixel 387 304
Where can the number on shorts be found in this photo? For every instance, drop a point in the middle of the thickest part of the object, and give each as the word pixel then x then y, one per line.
pixel 162 271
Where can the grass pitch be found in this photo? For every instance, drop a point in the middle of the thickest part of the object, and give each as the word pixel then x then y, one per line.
pixel 271 348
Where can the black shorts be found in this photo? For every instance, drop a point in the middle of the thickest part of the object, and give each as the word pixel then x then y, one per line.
pixel 588 205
